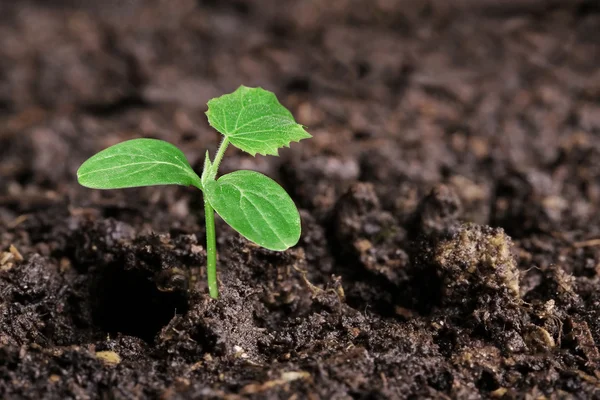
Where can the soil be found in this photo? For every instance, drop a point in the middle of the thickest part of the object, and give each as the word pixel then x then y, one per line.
pixel 450 201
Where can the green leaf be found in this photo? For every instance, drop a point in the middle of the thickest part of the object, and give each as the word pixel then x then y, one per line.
pixel 207 168
pixel 257 207
pixel 254 121
pixel 137 162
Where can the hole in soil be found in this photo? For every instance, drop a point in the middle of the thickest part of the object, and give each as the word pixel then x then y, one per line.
pixel 487 382
pixel 25 177
pixel 129 302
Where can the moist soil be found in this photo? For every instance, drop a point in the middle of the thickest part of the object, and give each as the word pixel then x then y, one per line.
pixel 450 202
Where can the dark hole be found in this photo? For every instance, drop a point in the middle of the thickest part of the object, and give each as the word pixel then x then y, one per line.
pixel 25 177
pixel 128 301
pixel 487 382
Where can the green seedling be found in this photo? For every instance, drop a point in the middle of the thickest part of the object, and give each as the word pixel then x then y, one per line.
pixel 254 205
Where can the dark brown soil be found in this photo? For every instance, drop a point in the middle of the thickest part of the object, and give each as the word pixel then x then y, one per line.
pixel 450 201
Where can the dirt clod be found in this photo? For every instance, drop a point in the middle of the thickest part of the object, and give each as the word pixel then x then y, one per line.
pixel 477 259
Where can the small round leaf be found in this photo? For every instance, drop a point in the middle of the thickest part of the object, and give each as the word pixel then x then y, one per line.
pixel 257 207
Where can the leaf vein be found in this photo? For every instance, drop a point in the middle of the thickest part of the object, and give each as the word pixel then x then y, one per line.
pixel 135 163
pixel 264 218
pixel 249 122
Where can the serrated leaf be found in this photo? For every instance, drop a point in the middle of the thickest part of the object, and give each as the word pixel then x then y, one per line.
pixel 137 162
pixel 254 121
pixel 257 207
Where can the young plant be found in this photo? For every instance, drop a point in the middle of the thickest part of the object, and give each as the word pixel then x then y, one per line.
pixel 258 208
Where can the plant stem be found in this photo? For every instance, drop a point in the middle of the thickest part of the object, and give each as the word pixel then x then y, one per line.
pixel 211 237
pixel 219 157
pixel 211 250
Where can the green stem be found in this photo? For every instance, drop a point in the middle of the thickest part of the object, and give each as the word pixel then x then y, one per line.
pixel 209 215
pixel 219 157
pixel 211 250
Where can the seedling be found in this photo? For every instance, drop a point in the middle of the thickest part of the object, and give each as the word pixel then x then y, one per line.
pixel 254 205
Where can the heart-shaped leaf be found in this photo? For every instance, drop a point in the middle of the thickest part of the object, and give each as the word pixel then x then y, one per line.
pixel 137 162
pixel 257 207
pixel 254 121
